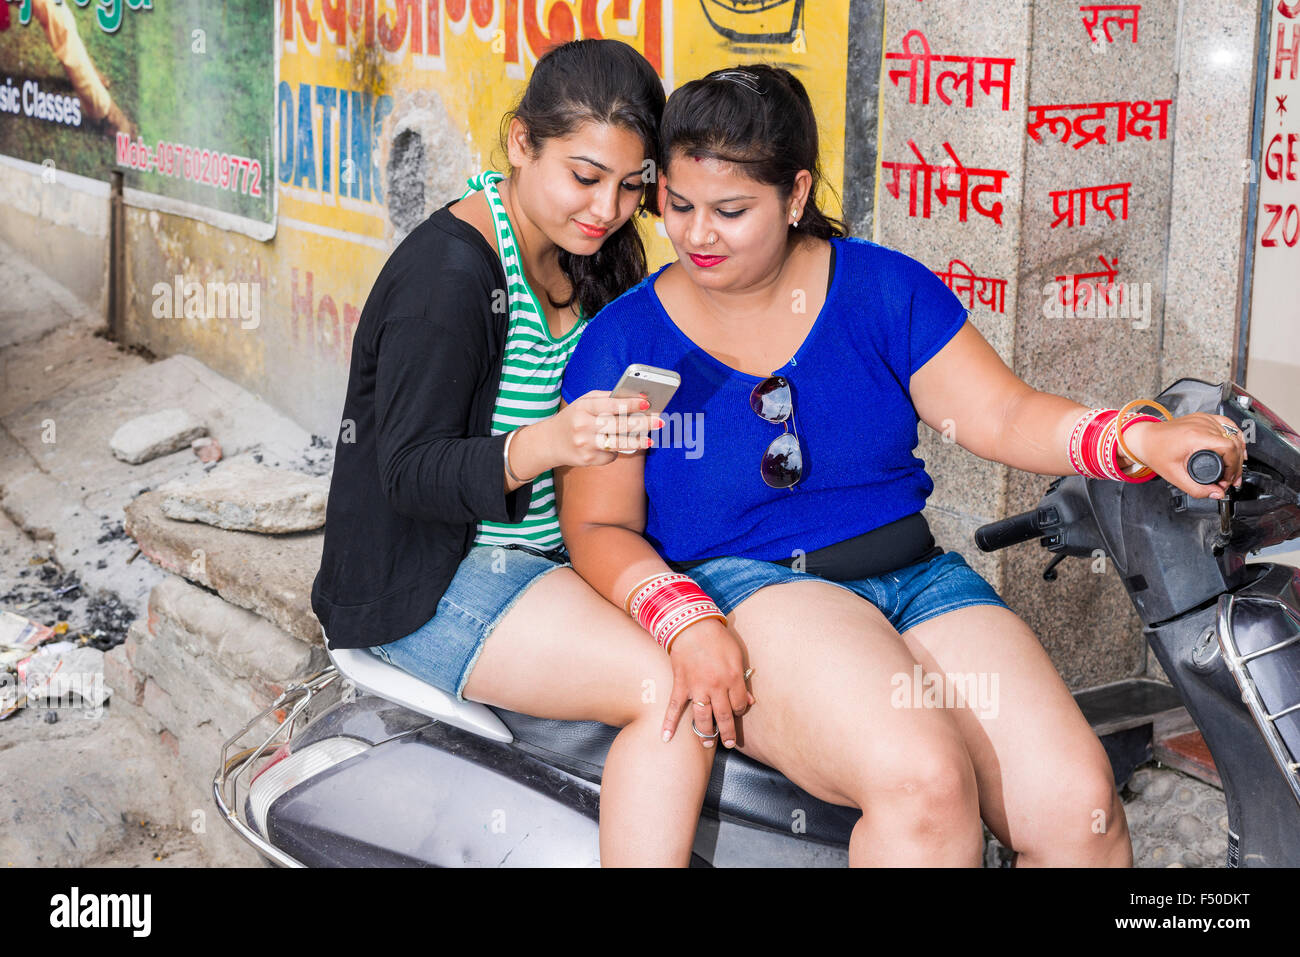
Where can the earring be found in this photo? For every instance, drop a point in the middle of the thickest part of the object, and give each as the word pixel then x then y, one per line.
pixel 795 214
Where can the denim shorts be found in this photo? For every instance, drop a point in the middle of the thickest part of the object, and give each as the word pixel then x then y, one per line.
pixel 490 579
pixel 906 596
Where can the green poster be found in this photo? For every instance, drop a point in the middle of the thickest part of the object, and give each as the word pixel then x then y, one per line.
pixel 177 94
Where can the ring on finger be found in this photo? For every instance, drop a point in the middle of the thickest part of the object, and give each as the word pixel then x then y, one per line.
pixel 699 733
pixel 1228 430
pixel 701 704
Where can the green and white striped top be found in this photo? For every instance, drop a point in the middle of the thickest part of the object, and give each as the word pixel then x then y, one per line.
pixel 531 374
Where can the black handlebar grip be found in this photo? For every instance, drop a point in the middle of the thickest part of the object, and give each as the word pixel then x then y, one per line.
pixel 1008 531
pixel 1205 466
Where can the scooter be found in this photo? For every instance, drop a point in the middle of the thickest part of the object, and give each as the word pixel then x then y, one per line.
pixel 368 766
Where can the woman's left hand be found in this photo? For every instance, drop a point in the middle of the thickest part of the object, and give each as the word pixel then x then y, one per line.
pixel 1166 446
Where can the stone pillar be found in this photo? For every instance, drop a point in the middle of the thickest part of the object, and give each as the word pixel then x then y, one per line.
pixel 1133 177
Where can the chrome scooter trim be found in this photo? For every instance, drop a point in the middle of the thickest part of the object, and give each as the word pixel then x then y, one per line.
pixel 225 784
pixel 1237 665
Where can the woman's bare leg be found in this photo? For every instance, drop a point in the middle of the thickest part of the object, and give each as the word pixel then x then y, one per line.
pixel 826 715
pixel 565 652
pixel 1046 786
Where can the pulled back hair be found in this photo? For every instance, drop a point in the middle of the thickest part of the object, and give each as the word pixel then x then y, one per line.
pixel 758 118
pixel 604 82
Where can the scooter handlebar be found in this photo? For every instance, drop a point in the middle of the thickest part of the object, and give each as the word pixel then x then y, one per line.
pixel 1205 466
pixel 1008 531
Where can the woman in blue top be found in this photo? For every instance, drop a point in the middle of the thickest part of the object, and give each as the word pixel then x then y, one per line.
pixel 785 457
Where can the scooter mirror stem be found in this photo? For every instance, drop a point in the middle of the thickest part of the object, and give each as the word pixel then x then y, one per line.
pixel 1225 521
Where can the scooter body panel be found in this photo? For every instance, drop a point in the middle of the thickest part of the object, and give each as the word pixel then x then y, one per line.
pixel 452 799
pixel 1263 814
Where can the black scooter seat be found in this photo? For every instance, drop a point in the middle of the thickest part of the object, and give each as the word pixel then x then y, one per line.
pixel 739 788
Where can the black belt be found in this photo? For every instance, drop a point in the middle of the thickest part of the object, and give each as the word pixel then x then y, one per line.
pixel 888 548
pixel 556 554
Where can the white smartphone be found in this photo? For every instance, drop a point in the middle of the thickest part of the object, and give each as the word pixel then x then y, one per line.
pixel 657 384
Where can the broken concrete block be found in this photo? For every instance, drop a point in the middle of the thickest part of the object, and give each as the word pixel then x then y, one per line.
pixel 196 622
pixel 267 574
pixel 159 433
pixel 245 497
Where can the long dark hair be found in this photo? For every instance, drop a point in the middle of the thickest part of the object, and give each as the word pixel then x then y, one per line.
pixel 606 82
pixel 759 118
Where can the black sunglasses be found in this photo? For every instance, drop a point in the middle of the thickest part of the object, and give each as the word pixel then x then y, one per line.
pixel 773 400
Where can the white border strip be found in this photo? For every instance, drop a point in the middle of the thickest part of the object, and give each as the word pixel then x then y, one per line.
pixel 75 182
pixel 383 245
pixel 140 199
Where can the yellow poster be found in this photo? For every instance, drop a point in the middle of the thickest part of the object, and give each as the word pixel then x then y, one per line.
pixel 370 88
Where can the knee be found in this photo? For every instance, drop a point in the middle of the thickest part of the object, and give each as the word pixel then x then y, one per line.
pixel 1080 821
pixel 929 789
pixel 648 690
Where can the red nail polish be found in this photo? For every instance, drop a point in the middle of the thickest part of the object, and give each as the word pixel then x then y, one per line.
pixel 644 405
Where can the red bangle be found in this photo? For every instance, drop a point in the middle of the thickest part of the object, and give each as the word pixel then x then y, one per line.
pixel 1091 445
pixel 1076 439
pixel 1106 449
pixel 649 586
pixel 668 604
pixel 1095 445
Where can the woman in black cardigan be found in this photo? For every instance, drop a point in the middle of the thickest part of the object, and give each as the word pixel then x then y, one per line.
pixel 442 551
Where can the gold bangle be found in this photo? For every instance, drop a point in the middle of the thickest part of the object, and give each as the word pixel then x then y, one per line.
pixel 1119 432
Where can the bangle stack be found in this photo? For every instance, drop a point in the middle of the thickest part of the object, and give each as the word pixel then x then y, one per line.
pixel 1098 437
pixel 667 603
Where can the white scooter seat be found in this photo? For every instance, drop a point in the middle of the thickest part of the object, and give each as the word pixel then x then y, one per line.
pixel 372 674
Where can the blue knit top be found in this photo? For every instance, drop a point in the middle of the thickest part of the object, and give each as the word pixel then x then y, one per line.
pixel 884 317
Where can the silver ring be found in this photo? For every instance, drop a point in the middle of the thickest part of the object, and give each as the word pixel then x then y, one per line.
pixel 1227 429
pixel 701 734
pixel 748 672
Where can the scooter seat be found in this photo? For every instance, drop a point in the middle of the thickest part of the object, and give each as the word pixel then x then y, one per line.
pixel 376 676
pixel 739 787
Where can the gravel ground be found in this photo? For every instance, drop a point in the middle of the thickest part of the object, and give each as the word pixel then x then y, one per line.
pixel 1175 820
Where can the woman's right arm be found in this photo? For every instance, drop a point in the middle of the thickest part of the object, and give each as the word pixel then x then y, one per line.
pixel 430 369
pixel 602 517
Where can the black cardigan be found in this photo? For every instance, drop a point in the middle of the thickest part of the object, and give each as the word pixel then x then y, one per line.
pixel 416 465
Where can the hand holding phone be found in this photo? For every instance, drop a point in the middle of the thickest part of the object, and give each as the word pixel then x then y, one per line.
pixel 657 384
